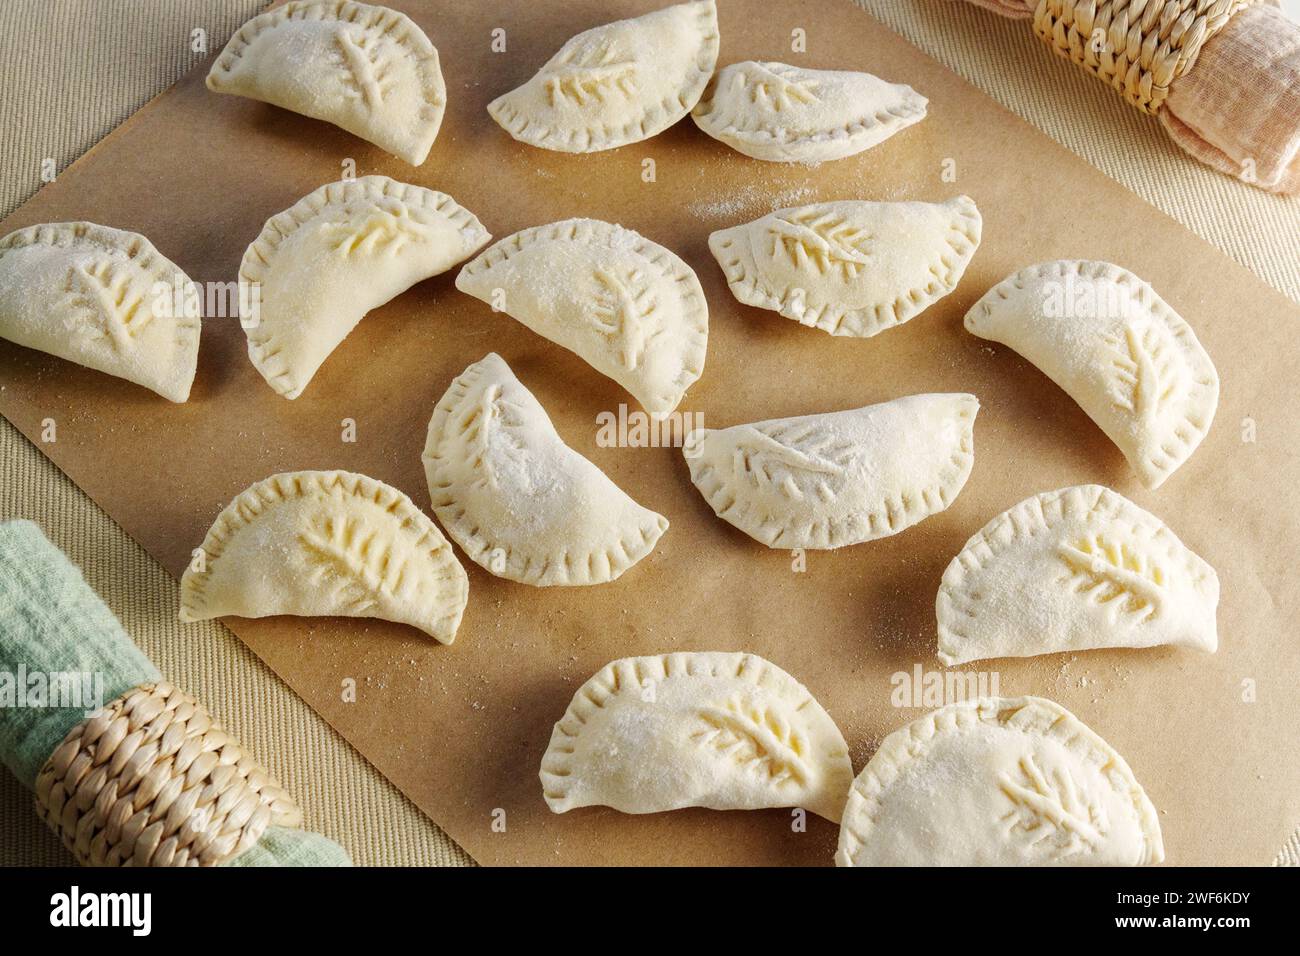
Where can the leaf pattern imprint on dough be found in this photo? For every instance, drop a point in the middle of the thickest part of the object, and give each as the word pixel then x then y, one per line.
pixel 1051 811
pixel 336 547
pixel 795 459
pixel 110 296
pixel 820 239
pixel 367 73
pixel 1145 370
pixel 590 74
pixel 778 89
pixel 758 739
pixel 624 309
pixel 1115 573
pixel 384 230
pixel 491 435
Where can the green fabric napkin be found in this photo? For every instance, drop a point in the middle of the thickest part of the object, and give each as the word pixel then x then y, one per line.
pixel 60 643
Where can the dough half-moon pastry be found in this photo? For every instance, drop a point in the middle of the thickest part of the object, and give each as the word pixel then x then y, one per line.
pixel 616 84
pixel 1105 336
pixel 326 543
pixel 346 248
pixel 519 501
pixel 727 731
pixel 788 114
pixel 103 298
pixel 1071 570
pixel 998 782
pixel 850 267
pixel 839 478
pixel 366 69
pixel 628 306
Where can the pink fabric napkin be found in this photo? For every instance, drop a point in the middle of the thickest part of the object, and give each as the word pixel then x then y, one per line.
pixel 1238 108
pixel 1008 8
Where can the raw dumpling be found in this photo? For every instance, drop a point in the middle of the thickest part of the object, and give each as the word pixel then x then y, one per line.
pixel 326 543
pixel 998 782
pixel 850 268
pixel 718 730
pixel 366 69
pixel 786 114
pixel 347 248
pixel 825 481
pixel 519 501
pixel 616 84
pixel 633 310
pixel 1117 349
pixel 1071 570
pixel 103 298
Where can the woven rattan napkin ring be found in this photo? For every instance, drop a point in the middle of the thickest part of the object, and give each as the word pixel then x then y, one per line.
pixel 152 780
pixel 1139 47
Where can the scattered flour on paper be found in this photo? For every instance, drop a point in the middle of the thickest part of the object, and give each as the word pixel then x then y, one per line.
pixel 750 201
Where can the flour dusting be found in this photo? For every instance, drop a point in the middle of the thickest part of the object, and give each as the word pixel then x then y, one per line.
pixel 750 202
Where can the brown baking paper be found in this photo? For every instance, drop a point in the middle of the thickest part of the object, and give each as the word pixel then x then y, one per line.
pixel 462 729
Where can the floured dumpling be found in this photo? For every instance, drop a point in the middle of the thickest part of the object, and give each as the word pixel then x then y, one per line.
pixel 1117 349
pixel 347 248
pixel 326 543
pixel 998 782
pixel 787 114
pixel 103 298
pixel 711 729
pixel 825 481
pixel 850 268
pixel 519 501
pixel 616 84
pixel 633 310
pixel 366 69
pixel 1070 570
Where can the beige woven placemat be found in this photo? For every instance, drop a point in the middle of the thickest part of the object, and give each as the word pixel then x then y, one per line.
pixel 75 69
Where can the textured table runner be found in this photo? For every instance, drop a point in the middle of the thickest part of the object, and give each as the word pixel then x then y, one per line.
pixel 75 69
